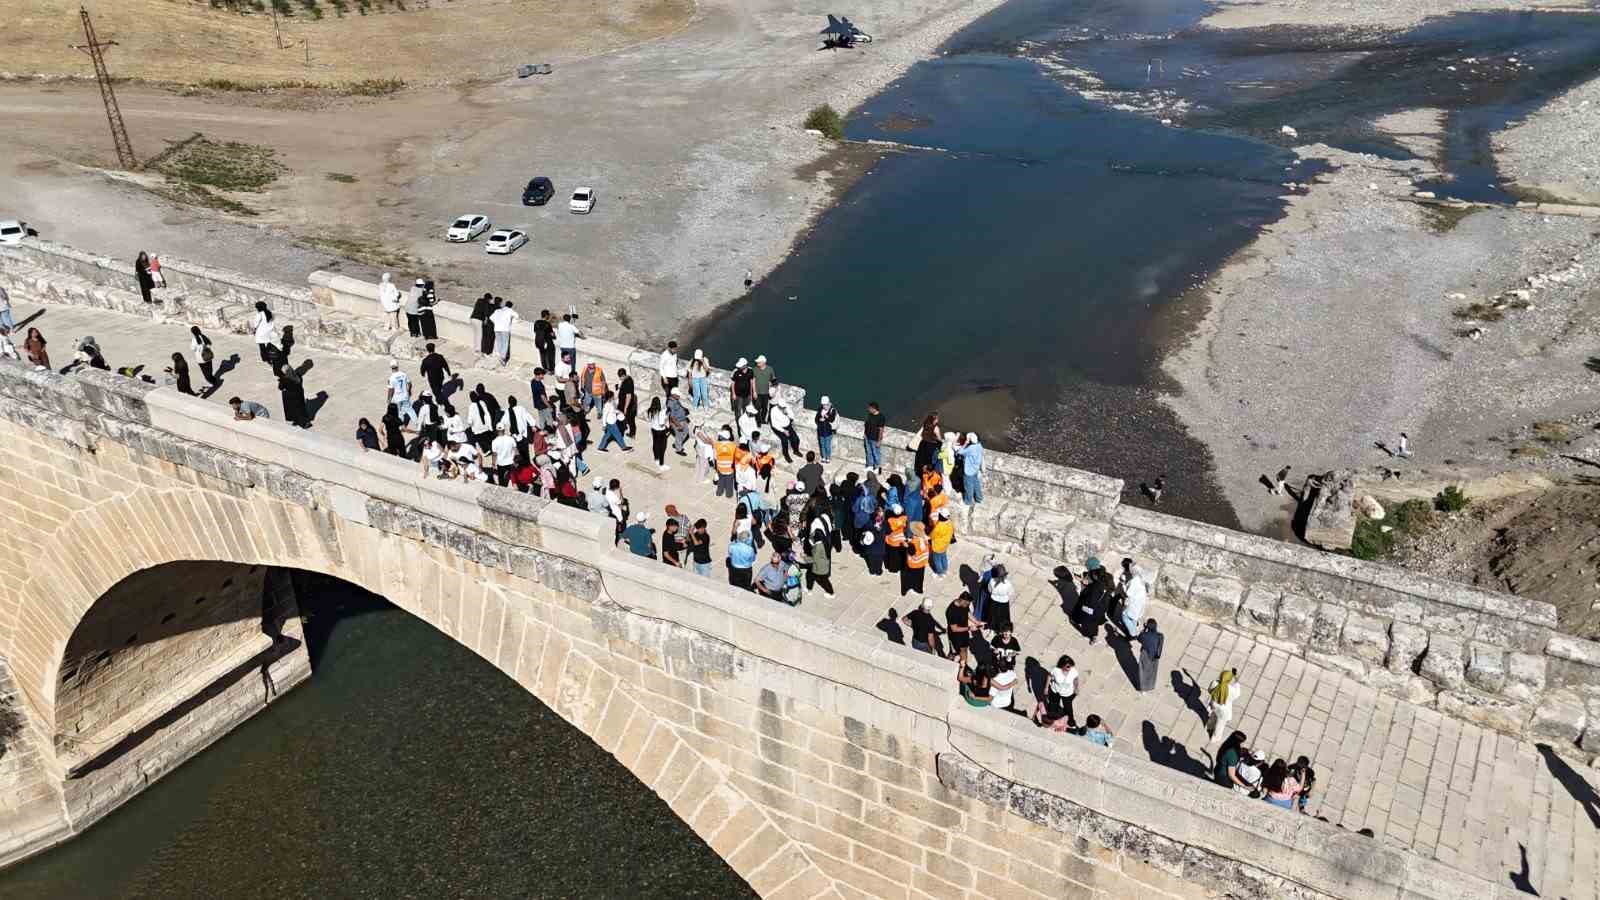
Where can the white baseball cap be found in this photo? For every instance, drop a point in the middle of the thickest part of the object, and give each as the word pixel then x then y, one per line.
pixel 641 517
pixel 826 401
pixel 699 354
pixel 742 362
pixel 761 359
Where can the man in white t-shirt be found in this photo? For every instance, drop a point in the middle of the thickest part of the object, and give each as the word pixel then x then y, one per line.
pixel 567 335
pixel 502 319
pixel 668 367
pixel 1135 594
pixel 400 392
pixel 504 449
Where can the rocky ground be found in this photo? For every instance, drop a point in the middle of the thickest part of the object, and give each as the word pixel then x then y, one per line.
pixel 693 142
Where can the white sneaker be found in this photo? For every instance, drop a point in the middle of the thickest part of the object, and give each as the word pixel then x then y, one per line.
pixel 662 467
pixel 828 594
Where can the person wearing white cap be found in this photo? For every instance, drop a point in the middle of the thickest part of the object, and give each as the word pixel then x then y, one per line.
pixel 389 299
pixel 826 417
pixel 971 457
pixel 678 419
pixel 641 538
pixel 766 377
pixel 502 319
pixel 743 390
pixel 700 380
pixel 783 426
pixel 414 309
pixel 399 393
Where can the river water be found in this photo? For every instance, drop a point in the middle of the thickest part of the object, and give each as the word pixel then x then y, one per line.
pixel 1023 266
pixel 406 766
pixel 1028 262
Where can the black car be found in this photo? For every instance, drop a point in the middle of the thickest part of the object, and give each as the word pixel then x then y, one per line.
pixel 538 192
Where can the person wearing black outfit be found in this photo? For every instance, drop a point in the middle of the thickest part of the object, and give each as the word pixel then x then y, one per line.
pixel 544 339
pixel 481 309
pixel 141 271
pixel 1093 601
pixel 430 328
pixel 1006 648
pixel 960 625
pixel 872 435
pixel 628 404
pixel 744 380
pixel 180 371
pixel 924 629
pixel 890 626
pixel 929 442
pixel 294 397
pixel 481 394
pixel 201 346
pixel 394 442
pixel 1151 642
pixel 435 368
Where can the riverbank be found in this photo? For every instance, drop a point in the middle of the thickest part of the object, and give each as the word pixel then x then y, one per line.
pixel 1361 14
pixel 692 140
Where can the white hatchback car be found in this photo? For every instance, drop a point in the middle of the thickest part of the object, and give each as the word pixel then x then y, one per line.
pixel 582 200
pixel 12 231
pixel 506 240
pixel 466 228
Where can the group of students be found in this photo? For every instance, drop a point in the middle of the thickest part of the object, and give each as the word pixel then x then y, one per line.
pixel 1245 770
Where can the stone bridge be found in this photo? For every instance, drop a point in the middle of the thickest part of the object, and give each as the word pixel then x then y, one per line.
pixel 151 607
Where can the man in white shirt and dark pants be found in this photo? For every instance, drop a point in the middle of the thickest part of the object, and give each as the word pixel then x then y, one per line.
pixel 669 368
pixel 502 319
pixel 567 335
pixel 504 449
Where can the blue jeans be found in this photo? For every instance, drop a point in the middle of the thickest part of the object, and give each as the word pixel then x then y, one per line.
pixel 700 392
pixel 582 467
pixel 1129 624
pixel 940 562
pixel 502 345
pixel 972 487
pixel 406 410
pixel 825 444
pixel 6 320
pixel 613 435
pixel 874 454
pixel 701 569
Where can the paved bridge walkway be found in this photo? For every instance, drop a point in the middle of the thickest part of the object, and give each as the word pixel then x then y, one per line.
pixel 1470 797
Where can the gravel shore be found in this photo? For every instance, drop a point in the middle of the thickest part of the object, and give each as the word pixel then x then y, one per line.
pixel 1552 153
pixel 1349 321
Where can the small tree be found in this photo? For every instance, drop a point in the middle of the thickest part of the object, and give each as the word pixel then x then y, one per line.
pixel 826 120
pixel 1451 499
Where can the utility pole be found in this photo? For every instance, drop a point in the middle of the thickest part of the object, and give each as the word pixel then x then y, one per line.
pixel 119 132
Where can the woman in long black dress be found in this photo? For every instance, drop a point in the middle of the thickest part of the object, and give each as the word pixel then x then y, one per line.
pixel 141 271
pixel 180 371
pixel 294 397
pixel 393 441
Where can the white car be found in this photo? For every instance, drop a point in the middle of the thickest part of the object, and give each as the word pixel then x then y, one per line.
pixel 466 228
pixel 582 200
pixel 12 231
pixel 506 240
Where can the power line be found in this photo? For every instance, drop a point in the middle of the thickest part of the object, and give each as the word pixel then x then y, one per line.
pixel 119 132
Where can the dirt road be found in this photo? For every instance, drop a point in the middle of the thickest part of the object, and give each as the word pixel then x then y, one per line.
pixel 691 141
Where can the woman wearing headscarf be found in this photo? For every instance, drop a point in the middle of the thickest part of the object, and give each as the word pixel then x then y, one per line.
pixel 1221 696
pixel 394 441
pixel 480 311
pixel 293 391
pixel 180 373
pixel 389 299
pixel 33 346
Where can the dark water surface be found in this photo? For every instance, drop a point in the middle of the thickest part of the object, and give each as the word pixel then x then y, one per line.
pixel 1029 269
pixel 405 767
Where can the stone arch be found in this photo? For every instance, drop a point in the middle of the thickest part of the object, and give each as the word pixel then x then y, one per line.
pixel 519 626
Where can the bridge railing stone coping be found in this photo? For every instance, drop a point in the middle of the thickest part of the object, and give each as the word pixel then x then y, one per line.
pixel 1040 775
pixel 182 276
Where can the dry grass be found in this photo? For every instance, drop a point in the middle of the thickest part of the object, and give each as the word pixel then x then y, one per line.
pixel 190 41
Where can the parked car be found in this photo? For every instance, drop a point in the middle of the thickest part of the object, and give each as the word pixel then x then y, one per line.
pixel 467 227
pixel 13 231
pixel 582 200
pixel 538 192
pixel 506 240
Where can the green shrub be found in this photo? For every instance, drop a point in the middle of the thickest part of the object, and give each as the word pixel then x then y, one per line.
pixel 1451 499
pixel 1370 541
pixel 826 120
